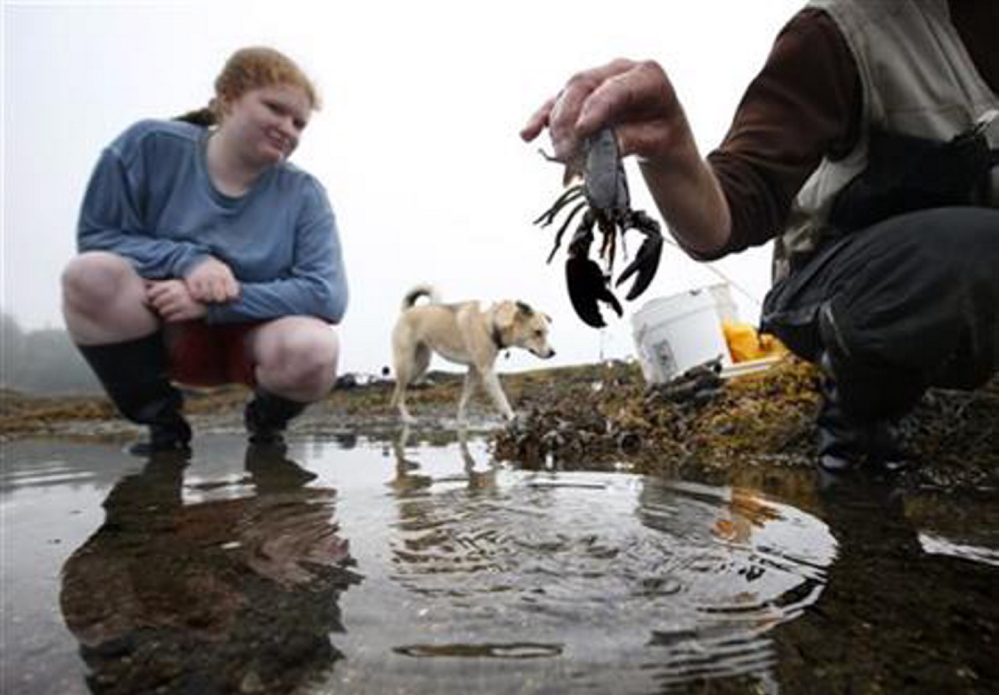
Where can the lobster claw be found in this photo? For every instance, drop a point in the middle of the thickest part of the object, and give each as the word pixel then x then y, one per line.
pixel 587 285
pixel 645 264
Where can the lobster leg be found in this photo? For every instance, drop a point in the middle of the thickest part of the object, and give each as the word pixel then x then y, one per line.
pixel 548 216
pixel 561 230
pixel 646 261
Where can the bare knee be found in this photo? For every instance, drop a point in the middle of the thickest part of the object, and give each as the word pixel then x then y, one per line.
pixel 300 363
pixel 95 280
pixel 104 300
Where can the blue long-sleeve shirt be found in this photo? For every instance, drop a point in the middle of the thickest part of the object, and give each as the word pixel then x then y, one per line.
pixel 150 199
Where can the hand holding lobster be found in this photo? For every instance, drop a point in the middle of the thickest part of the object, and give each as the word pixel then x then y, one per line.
pixel 637 100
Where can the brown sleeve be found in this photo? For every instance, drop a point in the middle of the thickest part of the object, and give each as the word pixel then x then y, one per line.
pixel 803 105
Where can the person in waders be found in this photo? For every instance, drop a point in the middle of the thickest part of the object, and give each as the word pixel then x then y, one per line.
pixel 866 147
pixel 206 258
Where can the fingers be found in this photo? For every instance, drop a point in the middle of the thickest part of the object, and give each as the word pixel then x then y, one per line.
pixel 172 301
pixel 538 121
pixel 212 281
pixel 166 298
pixel 580 89
pixel 626 94
pixel 637 94
pixel 561 112
pixel 222 288
pixel 563 119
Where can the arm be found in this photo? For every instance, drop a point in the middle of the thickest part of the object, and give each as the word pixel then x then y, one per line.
pixel 110 220
pixel 805 104
pixel 316 283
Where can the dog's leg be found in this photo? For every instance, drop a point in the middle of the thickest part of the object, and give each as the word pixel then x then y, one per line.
pixel 399 400
pixel 403 377
pixel 421 360
pixel 409 366
pixel 492 383
pixel 472 380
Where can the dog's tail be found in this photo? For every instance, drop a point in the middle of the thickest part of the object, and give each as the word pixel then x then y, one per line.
pixel 428 291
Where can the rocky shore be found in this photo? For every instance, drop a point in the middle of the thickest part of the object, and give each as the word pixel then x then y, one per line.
pixel 596 416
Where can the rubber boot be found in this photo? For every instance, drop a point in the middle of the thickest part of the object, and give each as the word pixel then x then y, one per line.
pixel 840 438
pixel 846 441
pixel 861 400
pixel 135 375
pixel 267 416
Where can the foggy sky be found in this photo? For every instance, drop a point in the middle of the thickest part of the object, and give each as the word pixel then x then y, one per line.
pixel 417 143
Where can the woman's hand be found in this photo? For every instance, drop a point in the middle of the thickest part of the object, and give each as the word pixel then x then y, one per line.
pixel 172 301
pixel 212 281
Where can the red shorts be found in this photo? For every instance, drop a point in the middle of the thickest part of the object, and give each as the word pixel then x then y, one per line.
pixel 203 355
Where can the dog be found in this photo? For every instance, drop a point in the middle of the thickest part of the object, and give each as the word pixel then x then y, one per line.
pixel 465 334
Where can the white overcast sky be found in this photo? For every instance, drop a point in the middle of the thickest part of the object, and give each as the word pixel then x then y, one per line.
pixel 417 142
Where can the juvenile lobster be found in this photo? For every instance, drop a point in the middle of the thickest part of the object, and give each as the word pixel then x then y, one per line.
pixel 606 205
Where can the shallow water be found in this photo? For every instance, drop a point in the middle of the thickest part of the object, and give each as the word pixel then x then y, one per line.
pixel 350 565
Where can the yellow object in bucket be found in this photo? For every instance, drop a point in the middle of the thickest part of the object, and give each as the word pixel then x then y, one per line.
pixel 745 343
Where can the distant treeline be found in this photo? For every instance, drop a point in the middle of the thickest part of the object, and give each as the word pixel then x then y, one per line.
pixel 42 361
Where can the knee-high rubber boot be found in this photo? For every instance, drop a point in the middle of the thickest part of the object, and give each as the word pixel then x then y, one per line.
pixel 267 416
pixel 846 440
pixel 860 401
pixel 135 375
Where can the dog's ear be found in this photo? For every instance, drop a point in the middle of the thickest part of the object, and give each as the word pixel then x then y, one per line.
pixel 547 318
pixel 524 308
pixel 505 315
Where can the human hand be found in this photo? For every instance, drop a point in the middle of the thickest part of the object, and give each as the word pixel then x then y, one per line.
pixel 212 281
pixel 635 98
pixel 172 301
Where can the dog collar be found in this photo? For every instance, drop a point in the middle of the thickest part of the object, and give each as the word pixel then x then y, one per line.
pixel 497 337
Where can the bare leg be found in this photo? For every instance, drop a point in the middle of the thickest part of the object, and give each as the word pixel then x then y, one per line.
pixel 119 337
pixel 103 300
pixel 296 357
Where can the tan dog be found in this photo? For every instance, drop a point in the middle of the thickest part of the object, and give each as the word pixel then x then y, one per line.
pixel 464 334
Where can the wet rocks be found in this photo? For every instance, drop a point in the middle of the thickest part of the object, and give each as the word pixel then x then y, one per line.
pixel 598 416
pixel 702 422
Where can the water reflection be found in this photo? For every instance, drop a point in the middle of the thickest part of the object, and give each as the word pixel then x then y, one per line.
pixel 671 582
pixel 409 479
pixel 893 617
pixel 481 577
pixel 237 593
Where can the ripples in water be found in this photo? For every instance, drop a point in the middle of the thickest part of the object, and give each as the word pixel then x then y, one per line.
pixel 698 574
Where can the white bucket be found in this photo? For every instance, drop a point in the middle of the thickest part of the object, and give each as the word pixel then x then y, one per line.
pixel 673 334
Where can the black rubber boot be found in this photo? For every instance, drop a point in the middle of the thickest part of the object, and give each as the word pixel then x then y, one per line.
pixel 846 441
pixel 267 416
pixel 861 399
pixel 135 375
